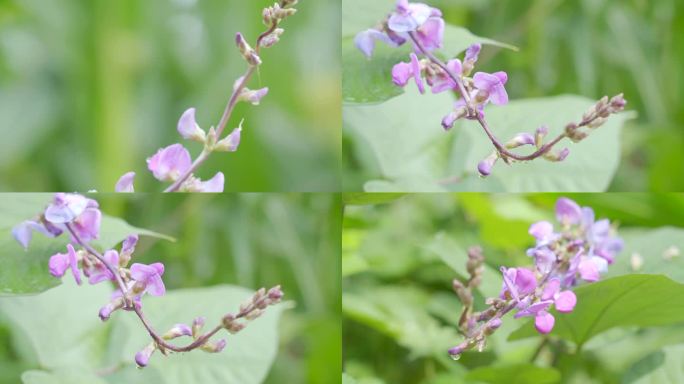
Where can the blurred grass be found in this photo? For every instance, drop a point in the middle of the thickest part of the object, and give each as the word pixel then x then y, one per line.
pixel 592 48
pixel 90 88
pixel 251 240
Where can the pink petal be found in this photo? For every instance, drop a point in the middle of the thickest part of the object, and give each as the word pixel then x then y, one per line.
pixel 551 289
pixel 544 322
pixel 565 301
pixel 541 230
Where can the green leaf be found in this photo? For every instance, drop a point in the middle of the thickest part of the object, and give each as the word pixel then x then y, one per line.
pixel 26 271
pixel 399 312
pixel 62 330
pixel 61 377
pixel 514 374
pixel 414 154
pixel 629 300
pixel 369 80
pixel 661 367
pixel 346 379
pixel 651 247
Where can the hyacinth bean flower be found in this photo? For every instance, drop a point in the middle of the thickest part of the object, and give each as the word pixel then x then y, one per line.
pixel 148 278
pixel 60 262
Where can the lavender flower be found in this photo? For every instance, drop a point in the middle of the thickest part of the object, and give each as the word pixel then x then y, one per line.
pixel 148 278
pixel 125 183
pixel 60 262
pixel 580 250
pixel 423 26
pixel 169 163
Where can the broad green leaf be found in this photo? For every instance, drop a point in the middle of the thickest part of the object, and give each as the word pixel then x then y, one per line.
pixel 514 374
pixel 415 154
pixel 26 271
pixel 61 377
pixel 399 312
pixel 63 331
pixel 353 198
pixel 369 80
pixel 659 250
pixel 661 367
pixel 629 300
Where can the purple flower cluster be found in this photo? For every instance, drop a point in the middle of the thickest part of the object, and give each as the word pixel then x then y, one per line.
pixel 81 218
pixel 423 26
pixel 580 249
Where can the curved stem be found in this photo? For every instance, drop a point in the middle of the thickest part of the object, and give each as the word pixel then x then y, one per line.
pixel 472 112
pixel 227 112
pixel 138 311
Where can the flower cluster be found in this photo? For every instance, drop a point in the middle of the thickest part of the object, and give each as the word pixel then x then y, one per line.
pixel 173 163
pixel 80 217
pixel 579 250
pixel 423 26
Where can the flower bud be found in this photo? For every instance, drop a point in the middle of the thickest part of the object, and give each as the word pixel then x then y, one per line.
pixel 275 294
pixel 231 142
pixel 188 127
pixel 485 166
pixel 246 50
pixel 143 357
pixel 557 157
pixel 214 347
pixel 449 120
pixel 519 140
pixel 253 96
pixel 540 134
pixel 106 311
pixel 272 38
pixel 197 325
pixel 177 330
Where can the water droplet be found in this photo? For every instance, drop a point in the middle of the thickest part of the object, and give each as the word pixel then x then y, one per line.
pixel 455 357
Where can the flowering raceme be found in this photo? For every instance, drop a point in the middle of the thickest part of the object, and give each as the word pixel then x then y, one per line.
pixel 173 163
pixel 580 249
pixel 424 27
pixel 81 218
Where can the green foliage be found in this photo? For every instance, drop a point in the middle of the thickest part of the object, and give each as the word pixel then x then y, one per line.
pixel 403 255
pixel 662 367
pixel 630 300
pixel 90 89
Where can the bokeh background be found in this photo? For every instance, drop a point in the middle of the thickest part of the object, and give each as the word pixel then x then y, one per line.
pixel 90 88
pixel 400 313
pixel 592 48
pixel 250 240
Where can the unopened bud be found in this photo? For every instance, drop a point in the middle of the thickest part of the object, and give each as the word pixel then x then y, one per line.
pixel 112 306
pixel 246 50
pixel 519 140
pixel 197 326
pixel 231 142
pixel 485 166
pixel 272 38
pixel 540 134
pixel 214 347
pixel 275 294
pixel 597 122
pixel 449 120
pixel 143 357
pixel 557 157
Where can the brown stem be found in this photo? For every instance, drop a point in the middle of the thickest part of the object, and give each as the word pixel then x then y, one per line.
pixel 472 112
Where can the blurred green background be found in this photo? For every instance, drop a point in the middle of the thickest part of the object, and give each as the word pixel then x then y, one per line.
pixel 400 313
pixel 90 88
pixel 595 48
pixel 251 240
pixel 591 48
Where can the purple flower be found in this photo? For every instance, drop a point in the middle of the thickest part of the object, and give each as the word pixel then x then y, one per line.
pixel 178 330
pixel 365 41
pixel 408 16
pixel 23 232
pixel 430 34
pixel 148 278
pixel 128 245
pixel 125 183
pixel 169 163
pixel 213 185
pixel 493 87
pixel 568 212
pixel 66 207
pixel 142 358
pixel 517 282
pixel 472 53
pixel 485 166
pixel 444 82
pixel 231 142
pixel 520 139
pixel 99 272
pixel 402 72
pixel 60 262
pixel 87 225
pixel 188 127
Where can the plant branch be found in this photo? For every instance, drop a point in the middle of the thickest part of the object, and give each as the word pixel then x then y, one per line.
pixel 505 153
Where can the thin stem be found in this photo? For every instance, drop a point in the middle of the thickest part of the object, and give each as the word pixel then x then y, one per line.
pixel 472 112
pixel 225 117
pixel 138 311
pixel 537 351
